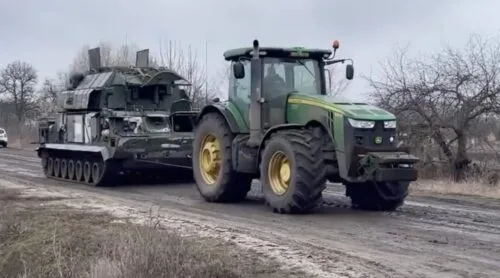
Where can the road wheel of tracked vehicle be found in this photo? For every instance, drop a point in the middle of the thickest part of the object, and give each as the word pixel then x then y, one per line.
pixel 87 171
pixel 292 171
pixel 45 163
pixel 97 169
pixel 57 167
pixel 78 170
pixel 49 166
pixel 215 177
pixel 64 168
pixel 380 196
pixel 71 169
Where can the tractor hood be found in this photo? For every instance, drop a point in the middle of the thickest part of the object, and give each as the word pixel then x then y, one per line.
pixel 354 110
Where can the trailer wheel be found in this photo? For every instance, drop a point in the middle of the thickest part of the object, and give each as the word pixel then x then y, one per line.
pixel 378 196
pixel 292 170
pixel 214 175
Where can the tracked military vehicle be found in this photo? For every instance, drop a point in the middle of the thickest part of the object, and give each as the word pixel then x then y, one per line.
pixel 118 121
pixel 280 126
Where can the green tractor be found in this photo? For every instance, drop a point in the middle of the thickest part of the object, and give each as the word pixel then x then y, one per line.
pixel 279 125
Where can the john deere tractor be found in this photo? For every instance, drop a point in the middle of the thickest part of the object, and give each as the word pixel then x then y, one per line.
pixel 280 125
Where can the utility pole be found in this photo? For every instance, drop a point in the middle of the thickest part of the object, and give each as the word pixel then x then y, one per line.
pixel 206 71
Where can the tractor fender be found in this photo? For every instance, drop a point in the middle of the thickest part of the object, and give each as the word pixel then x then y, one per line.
pixel 273 130
pixel 325 129
pixel 289 126
pixel 222 110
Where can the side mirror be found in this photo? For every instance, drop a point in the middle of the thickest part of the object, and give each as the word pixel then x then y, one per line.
pixel 349 72
pixel 238 70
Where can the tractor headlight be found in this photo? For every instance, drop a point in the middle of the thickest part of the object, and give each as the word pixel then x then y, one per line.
pixel 361 123
pixel 389 124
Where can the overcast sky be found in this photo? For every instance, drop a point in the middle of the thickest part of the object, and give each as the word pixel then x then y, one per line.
pixel 48 33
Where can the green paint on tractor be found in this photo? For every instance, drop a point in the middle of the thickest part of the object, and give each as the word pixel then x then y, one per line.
pixel 354 110
pixel 236 114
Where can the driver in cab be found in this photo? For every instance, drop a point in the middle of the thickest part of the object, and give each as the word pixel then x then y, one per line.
pixel 273 81
pixel 274 84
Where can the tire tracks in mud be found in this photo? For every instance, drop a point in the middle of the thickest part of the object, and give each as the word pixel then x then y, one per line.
pixel 421 239
pixel 262 238
pixel 451 216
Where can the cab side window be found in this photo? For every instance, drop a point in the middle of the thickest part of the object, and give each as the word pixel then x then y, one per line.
pixel 242 86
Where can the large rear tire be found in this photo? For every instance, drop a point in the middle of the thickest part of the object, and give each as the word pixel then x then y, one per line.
pixel 293 172
pixel 378 196
pixel 214 175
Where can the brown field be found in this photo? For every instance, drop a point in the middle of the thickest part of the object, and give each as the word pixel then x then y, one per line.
pixel 39 237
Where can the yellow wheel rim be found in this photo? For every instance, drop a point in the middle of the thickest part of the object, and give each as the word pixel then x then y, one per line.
pixel 209 159
pixel 279 173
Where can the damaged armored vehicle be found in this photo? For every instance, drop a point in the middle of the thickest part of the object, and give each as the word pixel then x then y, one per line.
pixel 118 121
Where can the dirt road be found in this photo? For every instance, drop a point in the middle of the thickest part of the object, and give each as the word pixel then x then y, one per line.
pixel 427 237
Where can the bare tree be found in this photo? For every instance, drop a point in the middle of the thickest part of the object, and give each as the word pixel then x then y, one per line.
pixel 220 84
pixel 81 61
pixel 47 96
pixel 17 82
pixel 442 95
pixel 339 85
pixel 123 55
pixel 337 79
pixel 186 63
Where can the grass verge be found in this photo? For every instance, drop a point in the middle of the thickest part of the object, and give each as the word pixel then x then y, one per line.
pixel 449 187
pixel 40 239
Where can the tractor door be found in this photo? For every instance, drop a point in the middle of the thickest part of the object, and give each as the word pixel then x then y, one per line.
pixel 274 91
pixel 239 90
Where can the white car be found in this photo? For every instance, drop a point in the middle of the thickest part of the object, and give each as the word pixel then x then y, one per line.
pixel 3 138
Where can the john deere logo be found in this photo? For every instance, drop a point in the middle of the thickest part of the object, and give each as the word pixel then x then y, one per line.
pixel 378 140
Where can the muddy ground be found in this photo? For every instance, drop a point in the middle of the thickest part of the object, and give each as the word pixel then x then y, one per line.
pixel 430 236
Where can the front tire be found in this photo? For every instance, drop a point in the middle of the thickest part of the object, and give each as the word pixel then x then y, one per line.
pixel 215 178
pixel 292 170
pixel 377 196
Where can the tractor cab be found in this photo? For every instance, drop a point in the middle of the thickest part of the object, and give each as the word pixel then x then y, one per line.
pixel 270 75
pixel 284 70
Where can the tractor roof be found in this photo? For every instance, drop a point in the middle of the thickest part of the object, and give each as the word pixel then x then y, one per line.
pixel 295 52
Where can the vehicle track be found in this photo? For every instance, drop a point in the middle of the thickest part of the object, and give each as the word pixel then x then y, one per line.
pixel 427 237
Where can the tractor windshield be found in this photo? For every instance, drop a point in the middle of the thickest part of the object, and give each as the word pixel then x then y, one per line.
pixel 292 74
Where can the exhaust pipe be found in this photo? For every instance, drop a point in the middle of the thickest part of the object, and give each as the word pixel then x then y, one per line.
pixel 256 98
